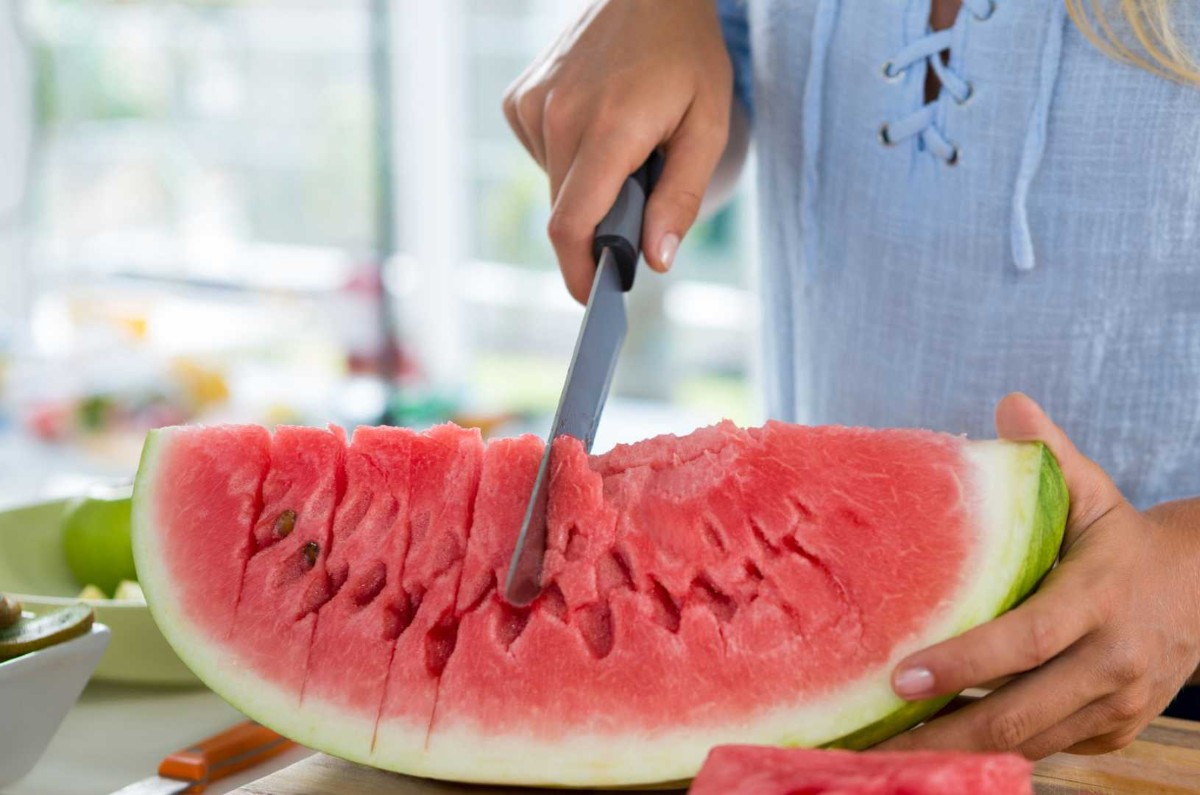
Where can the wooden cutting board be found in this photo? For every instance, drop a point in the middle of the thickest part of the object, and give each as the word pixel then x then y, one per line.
pixel 1164 759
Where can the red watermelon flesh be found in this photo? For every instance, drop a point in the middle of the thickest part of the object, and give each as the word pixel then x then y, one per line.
pixel 734 585
pixel 444 477
pixel 284 581
pixel 643 560
pixel 217 473
pixel 760 770
pixel 369 545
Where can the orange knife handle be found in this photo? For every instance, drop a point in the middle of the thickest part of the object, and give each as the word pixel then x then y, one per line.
pixel 223 754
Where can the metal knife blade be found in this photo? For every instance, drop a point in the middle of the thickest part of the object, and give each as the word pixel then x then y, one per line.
pixel 616 248
pixel 578 415
pixel 155 785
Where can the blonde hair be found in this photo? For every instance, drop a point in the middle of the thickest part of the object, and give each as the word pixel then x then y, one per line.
pixel 1154 46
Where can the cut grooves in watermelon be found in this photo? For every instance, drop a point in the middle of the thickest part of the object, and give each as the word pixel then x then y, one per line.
pixel 728 586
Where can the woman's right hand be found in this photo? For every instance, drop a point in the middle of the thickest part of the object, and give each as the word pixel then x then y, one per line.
pixel 628 76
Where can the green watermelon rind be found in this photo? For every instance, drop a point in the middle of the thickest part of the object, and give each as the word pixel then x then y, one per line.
pixel 1050 518
pixel 1049 524
pixel 1020 543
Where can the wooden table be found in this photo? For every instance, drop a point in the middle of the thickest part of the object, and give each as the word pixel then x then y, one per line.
pixel 1164 759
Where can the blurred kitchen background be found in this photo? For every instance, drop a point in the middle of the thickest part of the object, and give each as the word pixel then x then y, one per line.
pixel 307 211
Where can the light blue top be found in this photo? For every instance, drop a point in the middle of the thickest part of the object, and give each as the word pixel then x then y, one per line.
pixel 1057 254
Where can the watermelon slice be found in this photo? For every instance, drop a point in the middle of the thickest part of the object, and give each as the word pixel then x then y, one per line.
pixel 730 586
pixel 758 770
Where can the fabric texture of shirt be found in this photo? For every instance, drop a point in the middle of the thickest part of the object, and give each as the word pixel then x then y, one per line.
pixel 1036 228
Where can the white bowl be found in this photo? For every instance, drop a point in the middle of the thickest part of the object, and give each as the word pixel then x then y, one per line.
pixel 36 692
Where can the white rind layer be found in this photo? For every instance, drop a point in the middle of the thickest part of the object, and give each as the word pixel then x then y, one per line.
pixel 1005 481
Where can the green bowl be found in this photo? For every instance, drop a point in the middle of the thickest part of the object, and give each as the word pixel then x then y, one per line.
pixel 33 569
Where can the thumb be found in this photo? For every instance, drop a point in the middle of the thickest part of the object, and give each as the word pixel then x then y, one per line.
pixel 689 159
pixel 1093 494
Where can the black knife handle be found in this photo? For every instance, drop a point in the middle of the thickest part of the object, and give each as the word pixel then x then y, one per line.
pixel 621 230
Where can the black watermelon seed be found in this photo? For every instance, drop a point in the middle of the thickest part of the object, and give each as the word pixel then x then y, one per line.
pixel 310 552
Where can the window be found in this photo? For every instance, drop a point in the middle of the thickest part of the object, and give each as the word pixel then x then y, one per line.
pixel 208 186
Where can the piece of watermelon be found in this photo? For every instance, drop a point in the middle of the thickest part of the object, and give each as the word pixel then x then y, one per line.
pixel 761 770
pixel 731 586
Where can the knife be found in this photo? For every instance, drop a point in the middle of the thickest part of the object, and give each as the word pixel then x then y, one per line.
pixel 195 767
pixel 616 248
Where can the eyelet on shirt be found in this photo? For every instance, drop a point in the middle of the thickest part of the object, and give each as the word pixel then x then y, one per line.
pixel 889 71
pixel 924 122
pixel 991 9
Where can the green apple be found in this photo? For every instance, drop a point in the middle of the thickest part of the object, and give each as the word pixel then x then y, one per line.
pixel 96 540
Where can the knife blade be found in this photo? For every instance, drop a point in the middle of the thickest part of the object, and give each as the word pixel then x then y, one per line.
pixel 616 248
pixel 193 768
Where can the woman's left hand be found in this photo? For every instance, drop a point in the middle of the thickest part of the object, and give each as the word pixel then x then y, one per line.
pixel 1102 646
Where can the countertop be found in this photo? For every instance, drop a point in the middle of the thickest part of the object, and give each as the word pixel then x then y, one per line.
pixel 115 735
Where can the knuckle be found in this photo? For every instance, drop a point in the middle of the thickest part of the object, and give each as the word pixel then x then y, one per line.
pixel 1006 731
pixel 1127 666
pixel 562 228
pixel 528 105
pixel 1043 632
pixel 1124 709
pixel 557 115
pixel 1099 599
pixel 968 671
pixel 686 202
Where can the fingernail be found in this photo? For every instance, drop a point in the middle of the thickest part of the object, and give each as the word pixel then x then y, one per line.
pixel 667 249
pixel 913 682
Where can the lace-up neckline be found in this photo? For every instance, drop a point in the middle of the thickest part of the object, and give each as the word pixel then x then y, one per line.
pixel 921 123
pixel 925 124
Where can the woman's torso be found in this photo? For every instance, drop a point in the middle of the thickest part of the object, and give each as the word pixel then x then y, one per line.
pixel 901 290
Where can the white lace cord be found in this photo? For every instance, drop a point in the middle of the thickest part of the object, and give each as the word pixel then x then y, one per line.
pixel 1035 137
pixel 814 95
pixel 929 48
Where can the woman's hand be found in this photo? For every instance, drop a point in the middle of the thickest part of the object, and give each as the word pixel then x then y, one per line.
pixel 1103 645
pixel 628 76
